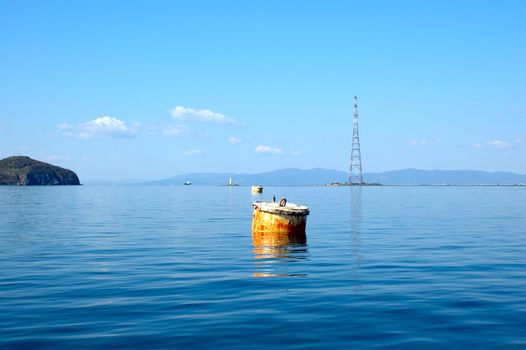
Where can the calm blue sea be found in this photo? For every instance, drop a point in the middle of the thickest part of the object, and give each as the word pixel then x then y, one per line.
pixel 175 267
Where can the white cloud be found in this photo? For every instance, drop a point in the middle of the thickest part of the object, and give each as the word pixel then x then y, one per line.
pixel 500 145
pixel 424 142
pixel 177 130
pixel 268 150
pixel 193 152
pixel 201 115
pixel 102 126
pixel 234 140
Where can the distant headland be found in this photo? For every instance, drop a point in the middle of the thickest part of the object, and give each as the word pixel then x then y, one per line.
pixel 24 171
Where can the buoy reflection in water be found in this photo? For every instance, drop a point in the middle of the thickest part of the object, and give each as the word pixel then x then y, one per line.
pixel 279 254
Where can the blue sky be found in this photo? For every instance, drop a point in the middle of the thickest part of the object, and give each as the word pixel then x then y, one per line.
pixel 150 89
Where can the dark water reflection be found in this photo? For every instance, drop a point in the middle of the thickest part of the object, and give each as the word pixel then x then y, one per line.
pixel 356 233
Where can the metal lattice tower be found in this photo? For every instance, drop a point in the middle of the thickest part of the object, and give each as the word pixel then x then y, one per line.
pixel 355 173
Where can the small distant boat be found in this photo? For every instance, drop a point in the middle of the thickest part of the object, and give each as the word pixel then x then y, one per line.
pixel 257 189
pixel 187 183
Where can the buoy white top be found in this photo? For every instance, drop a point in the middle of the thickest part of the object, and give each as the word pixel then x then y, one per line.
pixel 287 209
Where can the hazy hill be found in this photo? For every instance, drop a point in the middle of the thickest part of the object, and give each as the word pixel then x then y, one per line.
pixel 289 177
pixel 300 177
pixel 439 177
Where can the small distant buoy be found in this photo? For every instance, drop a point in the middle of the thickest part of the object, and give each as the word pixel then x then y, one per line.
pixel 270 218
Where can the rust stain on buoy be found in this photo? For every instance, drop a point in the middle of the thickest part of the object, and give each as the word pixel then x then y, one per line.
pixel 278 219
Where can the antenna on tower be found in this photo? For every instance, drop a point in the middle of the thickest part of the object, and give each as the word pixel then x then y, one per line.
pixel 355 171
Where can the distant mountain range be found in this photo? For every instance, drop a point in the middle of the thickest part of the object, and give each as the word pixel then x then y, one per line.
pixel 445 177
pixel 318 176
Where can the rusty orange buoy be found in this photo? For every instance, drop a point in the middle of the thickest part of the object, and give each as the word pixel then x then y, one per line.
pixel 278 219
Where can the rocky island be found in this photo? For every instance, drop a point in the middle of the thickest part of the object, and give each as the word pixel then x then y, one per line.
pixel 24 171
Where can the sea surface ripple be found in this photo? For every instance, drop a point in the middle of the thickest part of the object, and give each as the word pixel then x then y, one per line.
pixel 175 267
